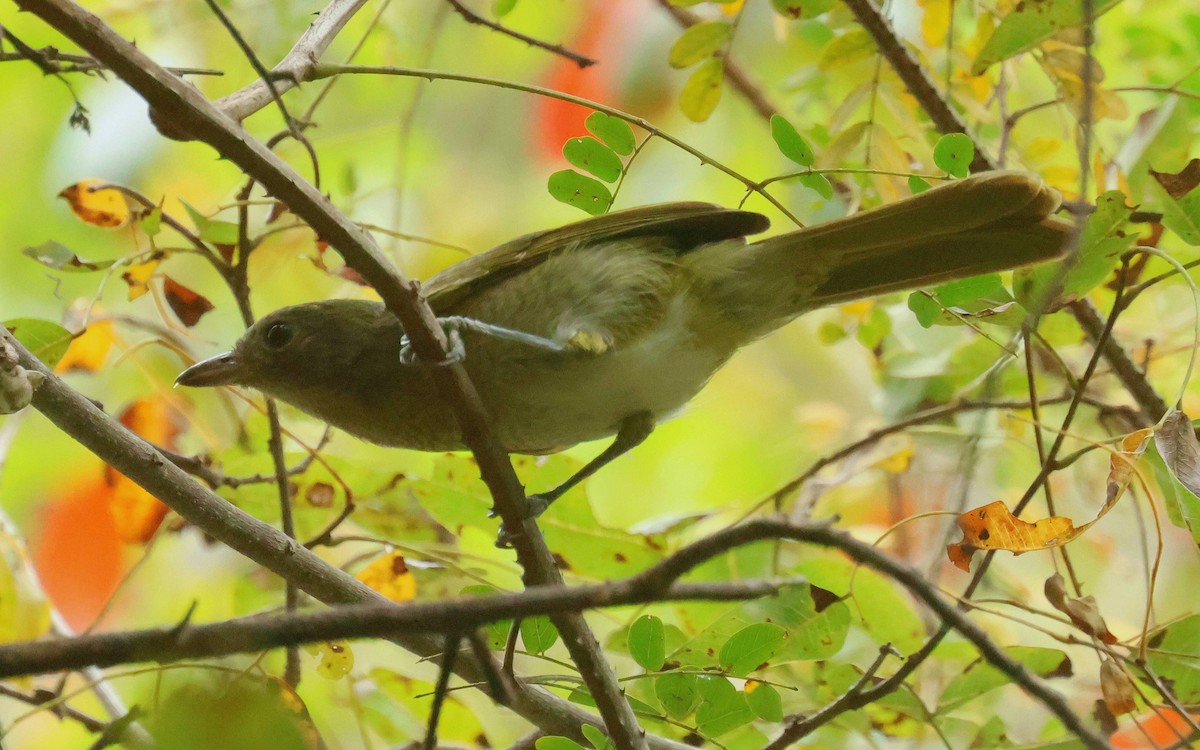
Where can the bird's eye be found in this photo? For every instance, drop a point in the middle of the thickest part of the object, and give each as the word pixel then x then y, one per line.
pixel 279 335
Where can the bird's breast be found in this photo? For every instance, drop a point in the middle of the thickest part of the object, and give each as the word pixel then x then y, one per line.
pixel 542 402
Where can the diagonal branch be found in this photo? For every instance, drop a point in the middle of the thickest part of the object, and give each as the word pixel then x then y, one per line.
pixel 307 50
pixel 183 109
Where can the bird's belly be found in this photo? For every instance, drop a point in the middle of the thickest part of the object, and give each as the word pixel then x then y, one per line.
pixel 562 400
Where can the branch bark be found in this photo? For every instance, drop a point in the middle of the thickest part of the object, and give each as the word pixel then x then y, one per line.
pixel 188 112
pixel 367 620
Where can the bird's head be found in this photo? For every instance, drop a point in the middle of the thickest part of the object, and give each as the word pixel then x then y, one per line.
pixel 312 350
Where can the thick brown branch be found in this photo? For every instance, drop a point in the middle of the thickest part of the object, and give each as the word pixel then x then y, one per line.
pixel 369 620
pixel 184 109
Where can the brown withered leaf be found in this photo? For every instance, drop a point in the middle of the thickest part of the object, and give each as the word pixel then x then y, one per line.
pixel 1180 183
pixel 1116 687
pixel 188 306
pixel 1176 442
pixel 1083 611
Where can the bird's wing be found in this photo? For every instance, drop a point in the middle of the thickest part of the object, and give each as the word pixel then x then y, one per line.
pixel 680 227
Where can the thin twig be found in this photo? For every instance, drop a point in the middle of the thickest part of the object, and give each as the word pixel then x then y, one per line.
pixel 471 17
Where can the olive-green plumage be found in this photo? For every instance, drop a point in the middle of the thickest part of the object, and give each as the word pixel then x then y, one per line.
pixel 647 302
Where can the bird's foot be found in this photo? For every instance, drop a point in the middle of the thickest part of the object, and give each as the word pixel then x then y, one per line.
pixel 535 506
pixel 454 325
pixel 455 351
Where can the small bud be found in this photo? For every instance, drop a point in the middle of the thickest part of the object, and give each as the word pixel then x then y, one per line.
pixel 16 383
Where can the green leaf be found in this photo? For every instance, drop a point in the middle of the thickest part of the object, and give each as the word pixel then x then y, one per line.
pixel 980 677
pixel 538 634
pixel 211 230
pixel 751 648
pixel 702 91
pixel 556 743
pixel 501 8
pixel 152 222
pixel 764 700
pixel 62 258
pixel 925 308
pixel 1183 507
pixel 1028 24
pixel 45 340
pixel 698 42
pixel 591 155
pixel 598 739
pixel 953 153
pixel 812 632
pixel 1172 657
pixel 647 642
pixel 854 45
pixel 613 131
pixel 678 692
pixel 791 144
pixel 817 182
pixel 722 709
pixel 1101 245
pixel 917 185
pixel 585 193
pixel 795 9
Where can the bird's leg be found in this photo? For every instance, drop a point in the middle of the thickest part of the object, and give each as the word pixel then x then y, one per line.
pixel 633 431
pixel 454 324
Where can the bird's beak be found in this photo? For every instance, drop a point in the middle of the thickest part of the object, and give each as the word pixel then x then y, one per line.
pixel 223 369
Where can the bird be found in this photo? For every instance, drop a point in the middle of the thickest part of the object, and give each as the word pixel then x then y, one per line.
pixel 607 326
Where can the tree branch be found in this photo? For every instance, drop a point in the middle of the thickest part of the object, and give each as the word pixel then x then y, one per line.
pixel 365 620
pixel 181 108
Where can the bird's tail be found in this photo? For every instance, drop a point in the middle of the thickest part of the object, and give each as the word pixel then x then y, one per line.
pixel 991 222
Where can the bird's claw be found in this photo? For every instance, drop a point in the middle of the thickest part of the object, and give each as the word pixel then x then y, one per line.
pixel 454 325
pixel 535 505
pixel 456 352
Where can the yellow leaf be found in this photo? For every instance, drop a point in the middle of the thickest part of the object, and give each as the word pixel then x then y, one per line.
pixel 390 576
pixel 336 659
pixel 994 527
pixel 702 91
pixel 138 278
pixel 103 208
pixel 88 350
pixel 24 610
pixel 896 463
pixel 935 22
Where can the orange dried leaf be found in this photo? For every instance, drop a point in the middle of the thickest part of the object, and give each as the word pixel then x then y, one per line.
pixel 1121 464
pixel 88 350
pixel 188 306
pixel 136 512
pixel 390 576
pixel 993 527
pixel 102 208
